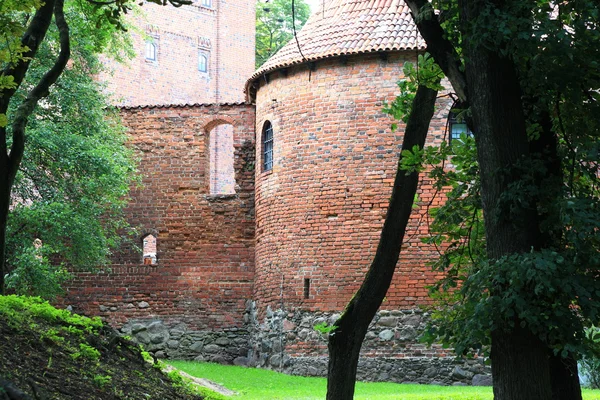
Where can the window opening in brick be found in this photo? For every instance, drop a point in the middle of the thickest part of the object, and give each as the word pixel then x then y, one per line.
pixel 202 62
pixel 207 3
pixel 222 174
pixel 458 127
pixel 149 250
pixel 267 146
pixel 306 288
pixel 150 51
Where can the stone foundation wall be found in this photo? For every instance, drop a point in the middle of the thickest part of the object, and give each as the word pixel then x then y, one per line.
pixel 287 341
pixel 176 340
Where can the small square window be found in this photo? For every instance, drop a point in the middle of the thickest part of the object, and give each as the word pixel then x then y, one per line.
pixel 457 127
pixel 207 3
pixel 202 62
pixel 150 51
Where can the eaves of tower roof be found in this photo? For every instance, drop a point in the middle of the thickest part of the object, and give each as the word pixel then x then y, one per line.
pixel 347 27
pixel 179 105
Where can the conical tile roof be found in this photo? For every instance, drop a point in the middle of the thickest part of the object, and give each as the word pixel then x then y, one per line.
pixel 344 27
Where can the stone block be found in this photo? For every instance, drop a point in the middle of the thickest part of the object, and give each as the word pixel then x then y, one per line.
pixel 386 335
pixel 482 380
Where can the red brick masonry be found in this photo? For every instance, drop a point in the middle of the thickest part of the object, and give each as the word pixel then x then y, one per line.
pixel 205 243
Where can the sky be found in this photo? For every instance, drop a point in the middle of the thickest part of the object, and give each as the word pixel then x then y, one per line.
pixel 313 4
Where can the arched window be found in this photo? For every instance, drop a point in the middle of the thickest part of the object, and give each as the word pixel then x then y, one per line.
pixel 149 250
pixel 202 62
pixel 267 146
pixel 150 51
pixel 457 127
pixel 221 161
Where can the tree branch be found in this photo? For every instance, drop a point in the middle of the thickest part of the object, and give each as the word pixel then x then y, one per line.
pixel 442 50
pixel 39 91
pixel 32 38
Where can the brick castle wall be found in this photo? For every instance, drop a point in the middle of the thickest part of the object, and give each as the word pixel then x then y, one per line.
pixel 204 243
pixel 320 211
pixel 222 32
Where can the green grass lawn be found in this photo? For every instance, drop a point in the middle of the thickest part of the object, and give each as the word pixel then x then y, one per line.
pixel 258 384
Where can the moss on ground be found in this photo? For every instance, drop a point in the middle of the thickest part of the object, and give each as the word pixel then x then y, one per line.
pixel 53 354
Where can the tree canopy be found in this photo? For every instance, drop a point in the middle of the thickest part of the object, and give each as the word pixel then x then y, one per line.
pixel 64 170
pixel 520 228
pixel 275 23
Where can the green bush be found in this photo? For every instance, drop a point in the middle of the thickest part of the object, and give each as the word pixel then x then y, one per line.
pixel 589 365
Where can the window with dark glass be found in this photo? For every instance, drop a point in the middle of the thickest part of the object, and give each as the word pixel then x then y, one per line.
pixel 267 146
pixel 457 127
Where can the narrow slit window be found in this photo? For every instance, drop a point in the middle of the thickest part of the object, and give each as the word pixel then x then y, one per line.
pixel 149 250
pixel 267 146
pixel 306 288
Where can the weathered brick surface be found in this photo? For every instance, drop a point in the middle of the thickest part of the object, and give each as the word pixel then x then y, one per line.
pixel 223 32
pixel 320 211
pixel 205 244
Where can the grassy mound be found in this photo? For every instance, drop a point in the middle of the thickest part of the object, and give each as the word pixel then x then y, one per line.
pixel 46 353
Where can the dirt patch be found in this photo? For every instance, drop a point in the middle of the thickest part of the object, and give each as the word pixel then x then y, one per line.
pixel 47 358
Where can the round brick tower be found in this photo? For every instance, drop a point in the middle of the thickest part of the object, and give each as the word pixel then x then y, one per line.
pixel 326 161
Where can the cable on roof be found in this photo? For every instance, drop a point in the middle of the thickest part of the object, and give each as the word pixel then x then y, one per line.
pixel 296 36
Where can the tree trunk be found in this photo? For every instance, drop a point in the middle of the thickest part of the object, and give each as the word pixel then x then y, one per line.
pixel 519 366
pixel 565 378
pixel 5 186
pixel 563 371
pixel 346 339
pixel 520 363
pixel 491 87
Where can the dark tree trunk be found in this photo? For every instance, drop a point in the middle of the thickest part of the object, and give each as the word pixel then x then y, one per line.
pixel 563 371
pixel 520 363
pixel 346 340
pixel 491 87
pixel 565 378
pixel 5 186
pixel 520 366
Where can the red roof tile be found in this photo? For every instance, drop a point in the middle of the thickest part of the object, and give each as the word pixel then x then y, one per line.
pixel 345 27
pixel 180 105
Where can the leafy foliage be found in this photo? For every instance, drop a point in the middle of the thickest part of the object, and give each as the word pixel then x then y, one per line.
pixel 553 289
pixel 18 311
pixel 275 25
pixel 425 72
pixel 589 365
pixel 75 173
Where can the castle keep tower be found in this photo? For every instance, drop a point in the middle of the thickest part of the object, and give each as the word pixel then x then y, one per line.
pixel 326 161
